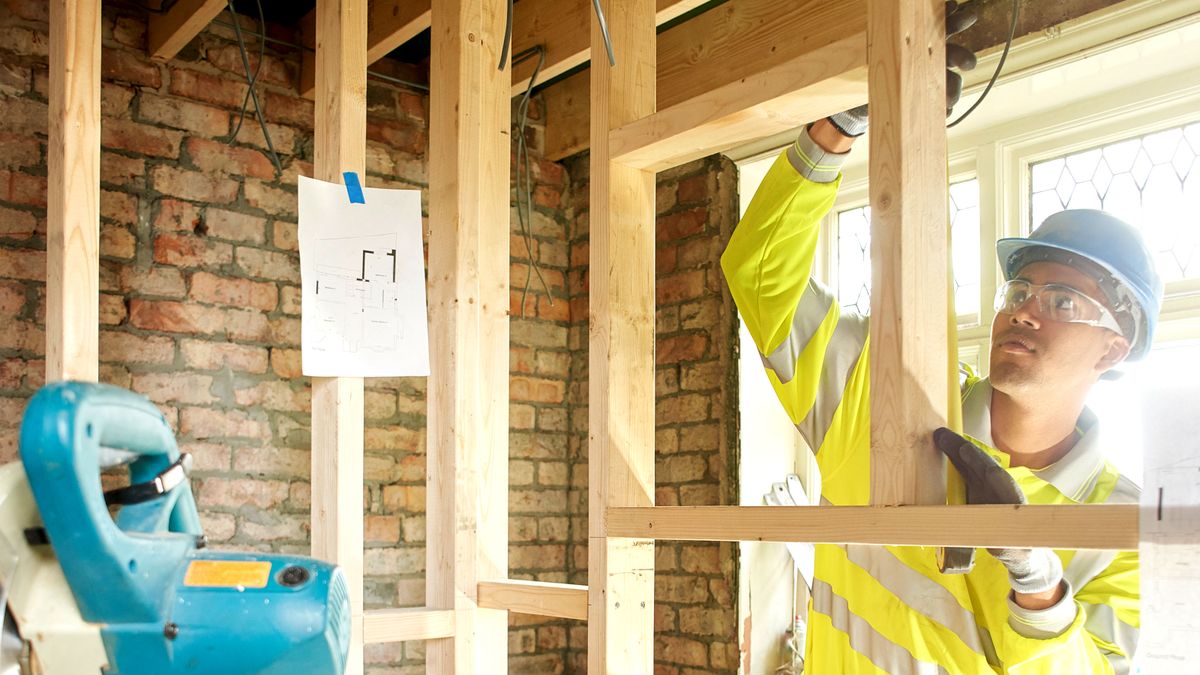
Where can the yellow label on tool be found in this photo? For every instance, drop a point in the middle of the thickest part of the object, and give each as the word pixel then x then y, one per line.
pixel 228 573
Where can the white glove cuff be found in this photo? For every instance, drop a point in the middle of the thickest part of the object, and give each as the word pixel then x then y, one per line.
pixel 1039 572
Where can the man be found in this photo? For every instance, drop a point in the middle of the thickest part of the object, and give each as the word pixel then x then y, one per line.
pixel 1081 295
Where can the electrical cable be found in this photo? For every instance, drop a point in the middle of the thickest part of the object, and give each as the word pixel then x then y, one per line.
pixel 262 55
pixel 1012 31
pixel 507 36
pixel 252 92
pixel 525 187
pixel 604 32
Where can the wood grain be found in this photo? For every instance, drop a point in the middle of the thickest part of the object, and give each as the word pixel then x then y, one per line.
pixel 1073 526
pixel 467 496
pixel 397 625
pixel 910 394
pixel 621 349
pixel 541 598
pixel 168 33
pixel 337 402
pixel 73 193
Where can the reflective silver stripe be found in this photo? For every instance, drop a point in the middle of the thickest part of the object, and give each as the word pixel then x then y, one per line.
pixel 810 314
pixel 922 594
pixel 1102 622
pixel 864 639
pixel 841 356
pixel 1087 565
pixel 814 162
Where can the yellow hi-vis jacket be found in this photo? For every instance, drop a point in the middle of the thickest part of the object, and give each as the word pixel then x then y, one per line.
pixel 889 609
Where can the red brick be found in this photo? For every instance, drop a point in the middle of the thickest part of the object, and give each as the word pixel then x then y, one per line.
pixel 414 106
pixel 275 395
pixel 175 387
pixel 283 139
pixel 12 299
pixel 681 348
pixel 265 264
pixel 23 41
pixel 139 139
pixel 289 300
pixel 124 66
pixel 184 250
pixel 217 355
pixel 16 224
pixel 293 110
pixel 405 137
pixel 537 390
pixel 398 498
pixel 237 492
pixel 193 185
pixel 129 32
pixel 156 281
pixel 233 226
pixel 679 287
pixel 392 438
pixel 112 309
pixel 115 100
pixel 177 216
pixel 31 10
pixel 665 259
pixel 118 347
pixel 694 189
pixel 18 150
pixel 117 242
pixel 183 114
pixel 211 423
pixel 285 236
pixel 23 336
pixel 286 363
pixel 23 263
pixel 685 408
pixel 209 155
pixel 22 188
pixel 270 199
pixel 175 317
pixel 246 325
pixel 228 57
pixel 211 288
pixel 198 86
pixel 121 170
pixel 681 225
pixel 119 207
pixel 553 309
pixel 24 116
pixel 381 529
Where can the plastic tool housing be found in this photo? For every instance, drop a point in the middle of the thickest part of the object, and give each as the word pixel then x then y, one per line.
pixel 165 605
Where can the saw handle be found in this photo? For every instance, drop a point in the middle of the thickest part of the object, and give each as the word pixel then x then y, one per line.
pixel 115 572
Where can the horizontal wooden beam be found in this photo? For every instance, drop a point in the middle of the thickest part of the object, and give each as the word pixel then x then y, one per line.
pixel 566 601
pixel 808 87
pixel 1101 526
pixel 170 32
pixel 390 23
pixel 737 40
pixel 398 625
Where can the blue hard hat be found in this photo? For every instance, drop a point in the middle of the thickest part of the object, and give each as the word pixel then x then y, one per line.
pixel 1133 287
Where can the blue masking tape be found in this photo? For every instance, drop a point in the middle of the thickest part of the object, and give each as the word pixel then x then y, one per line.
pixel 353 188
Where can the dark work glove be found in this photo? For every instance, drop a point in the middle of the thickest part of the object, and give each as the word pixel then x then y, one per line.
pixel 853 122
pixel 1030 570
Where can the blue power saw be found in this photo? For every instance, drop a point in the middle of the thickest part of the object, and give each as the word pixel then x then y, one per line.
pixel 87 592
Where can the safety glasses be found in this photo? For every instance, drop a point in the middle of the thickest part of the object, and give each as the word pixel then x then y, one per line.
pixel 1056 303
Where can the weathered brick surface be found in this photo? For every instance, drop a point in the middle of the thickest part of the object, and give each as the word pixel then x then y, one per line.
pixel 695 412
pixel 201 302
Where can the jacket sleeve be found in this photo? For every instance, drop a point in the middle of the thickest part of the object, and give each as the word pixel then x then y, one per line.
pixel 1101 623
pixel 809 346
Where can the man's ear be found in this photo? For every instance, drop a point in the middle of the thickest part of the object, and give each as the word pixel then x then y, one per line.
pixel 1118 349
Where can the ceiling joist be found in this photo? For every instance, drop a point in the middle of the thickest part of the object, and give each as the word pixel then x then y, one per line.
pixel 171 31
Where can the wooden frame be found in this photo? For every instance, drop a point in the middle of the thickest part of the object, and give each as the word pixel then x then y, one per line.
pixel 467 589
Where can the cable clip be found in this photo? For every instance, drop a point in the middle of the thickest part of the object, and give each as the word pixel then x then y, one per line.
pixel 353 188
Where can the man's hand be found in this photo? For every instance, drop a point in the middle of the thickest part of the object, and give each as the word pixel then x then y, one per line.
pixel 853 122
pixel 1035 574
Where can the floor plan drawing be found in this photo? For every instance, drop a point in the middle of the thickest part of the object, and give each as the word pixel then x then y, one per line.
pixel 363 275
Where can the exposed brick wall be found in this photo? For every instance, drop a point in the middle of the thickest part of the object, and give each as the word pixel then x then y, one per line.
pixel 200 304
pixel 695 414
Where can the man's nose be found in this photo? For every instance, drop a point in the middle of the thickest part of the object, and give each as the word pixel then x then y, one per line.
pixel 1027 313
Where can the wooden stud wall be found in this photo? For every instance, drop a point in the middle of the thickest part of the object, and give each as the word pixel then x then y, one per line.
pixel 337 402
pixel 467 508
pixel 73 197
pixel 621 349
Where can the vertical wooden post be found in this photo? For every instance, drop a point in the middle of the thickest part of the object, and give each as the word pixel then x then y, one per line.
pixel 909 394
pixel 621 346
pixel 467 507
pixel 337 402
pixel 73 206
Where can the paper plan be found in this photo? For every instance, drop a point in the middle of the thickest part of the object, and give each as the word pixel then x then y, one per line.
pixel 363 274
pixel 1170 531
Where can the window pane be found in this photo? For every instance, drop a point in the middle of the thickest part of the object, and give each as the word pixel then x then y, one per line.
pixel 854 252
pixel 1152 181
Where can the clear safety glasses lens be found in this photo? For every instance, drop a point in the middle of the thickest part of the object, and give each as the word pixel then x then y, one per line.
pixel 1057 303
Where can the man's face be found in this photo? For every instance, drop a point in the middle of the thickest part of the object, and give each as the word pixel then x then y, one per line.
pixel 1032 354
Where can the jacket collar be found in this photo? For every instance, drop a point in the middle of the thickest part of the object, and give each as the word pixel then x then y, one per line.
pixel 1074 475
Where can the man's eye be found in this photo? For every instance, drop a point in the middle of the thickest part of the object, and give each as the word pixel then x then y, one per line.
pixel 1063 302
pixel 1018 297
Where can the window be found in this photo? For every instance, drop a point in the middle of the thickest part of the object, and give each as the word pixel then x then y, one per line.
pixel 1150 181
pixel 854 253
